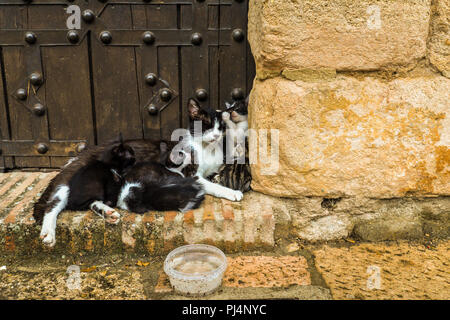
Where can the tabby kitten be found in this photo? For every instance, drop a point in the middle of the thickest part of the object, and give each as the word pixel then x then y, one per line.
pixel 235 173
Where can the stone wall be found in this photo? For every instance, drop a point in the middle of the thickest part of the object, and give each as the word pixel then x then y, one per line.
pixel 360 94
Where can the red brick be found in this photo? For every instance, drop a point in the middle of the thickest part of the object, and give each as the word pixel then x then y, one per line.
pixel 169 216
pixel 208 209
pixel 88 217
pixel 128 237
pixel 227 211
pixel 9 243
pixel 15 177
pixel 266 272
pixel 189 217
pixel 11 217
pixel 129 217
pixel 4 177
pixel 198 216
pixel 257 272
pixel 149 217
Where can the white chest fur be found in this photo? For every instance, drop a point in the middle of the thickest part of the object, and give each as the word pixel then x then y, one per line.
pixel 208 157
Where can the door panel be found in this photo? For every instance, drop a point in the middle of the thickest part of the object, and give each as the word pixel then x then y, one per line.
pixel 116 95
pixel 67 92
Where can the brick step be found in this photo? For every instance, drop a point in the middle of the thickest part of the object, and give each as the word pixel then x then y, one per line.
pixel 233 227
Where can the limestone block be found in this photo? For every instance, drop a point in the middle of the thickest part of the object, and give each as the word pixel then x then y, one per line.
pixel 346 35
pixel 355 137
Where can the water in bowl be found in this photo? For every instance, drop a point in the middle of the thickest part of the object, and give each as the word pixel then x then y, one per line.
pixel 196 262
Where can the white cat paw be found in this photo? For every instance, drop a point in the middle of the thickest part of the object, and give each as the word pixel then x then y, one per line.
pixel 112 217
pixel 109 214
pixel 225 116
pixel 48 237
pixel 234 195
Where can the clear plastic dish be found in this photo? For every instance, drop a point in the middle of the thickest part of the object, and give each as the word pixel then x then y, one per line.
pixel 195 269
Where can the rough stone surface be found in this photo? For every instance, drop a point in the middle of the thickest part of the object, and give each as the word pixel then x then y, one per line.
pixel 341 35
pixel 355 137
pixel 317 219
pixel 291 293
pixel 439 43
pixel 327 228
pixel 390 228
pixel 407 271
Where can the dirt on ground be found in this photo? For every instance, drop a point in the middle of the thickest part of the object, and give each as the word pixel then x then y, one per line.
pixel 340 270
pixel 116 277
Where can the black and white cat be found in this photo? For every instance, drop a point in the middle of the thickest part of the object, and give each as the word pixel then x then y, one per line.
pixel 91 181
pixel 209 147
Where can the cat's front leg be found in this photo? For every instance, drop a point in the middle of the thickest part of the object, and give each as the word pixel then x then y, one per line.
pixel 56 204
pixel 219 191
pixel 109 214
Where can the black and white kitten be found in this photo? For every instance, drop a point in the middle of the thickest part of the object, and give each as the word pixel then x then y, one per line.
pixel 236 173
pixel 236 120
pixel 160 186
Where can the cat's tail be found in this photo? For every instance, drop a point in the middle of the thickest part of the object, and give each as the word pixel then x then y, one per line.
pixel 172 194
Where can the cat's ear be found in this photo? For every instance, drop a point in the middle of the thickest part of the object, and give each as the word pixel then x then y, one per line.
pixel 117 150
pixel 122 151
pixel 196 113
pixel 194 109
pixel 163 146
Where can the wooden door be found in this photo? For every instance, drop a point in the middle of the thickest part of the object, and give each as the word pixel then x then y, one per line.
pixel 130 67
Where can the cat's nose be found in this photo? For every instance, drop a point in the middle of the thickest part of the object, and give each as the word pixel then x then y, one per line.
pixel 216 136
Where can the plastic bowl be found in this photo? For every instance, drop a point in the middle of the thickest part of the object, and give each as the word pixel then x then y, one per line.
pixel 195 269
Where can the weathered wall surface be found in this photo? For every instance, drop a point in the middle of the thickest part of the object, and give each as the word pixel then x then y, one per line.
pixel 356 137
pixel 338 35
pixel 360 93
pixel 439 43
